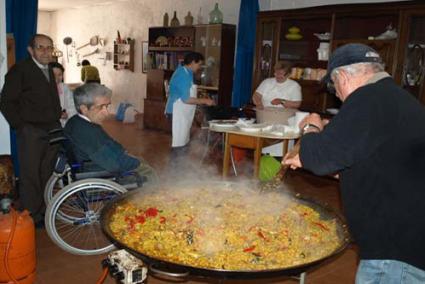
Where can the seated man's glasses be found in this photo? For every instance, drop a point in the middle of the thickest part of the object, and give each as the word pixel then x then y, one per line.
pixel 101 107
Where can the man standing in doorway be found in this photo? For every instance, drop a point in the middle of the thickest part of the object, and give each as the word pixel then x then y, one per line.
pixel 30 103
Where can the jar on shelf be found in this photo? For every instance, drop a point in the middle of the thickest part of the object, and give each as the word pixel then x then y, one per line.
pixel 188 20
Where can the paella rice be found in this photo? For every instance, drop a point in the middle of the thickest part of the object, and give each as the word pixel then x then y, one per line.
pixel 224 229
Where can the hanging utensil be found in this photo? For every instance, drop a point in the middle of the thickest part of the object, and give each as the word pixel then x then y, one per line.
pixel 94 40
pixel 97 50
pixel 67 41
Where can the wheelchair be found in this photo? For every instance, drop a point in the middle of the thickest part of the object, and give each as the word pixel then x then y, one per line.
pixel 75 197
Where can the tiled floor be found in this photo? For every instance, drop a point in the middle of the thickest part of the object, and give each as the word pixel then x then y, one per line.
pixel 56 266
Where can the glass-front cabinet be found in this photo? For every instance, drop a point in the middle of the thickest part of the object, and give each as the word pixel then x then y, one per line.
pixel 413 73
pixel 267 44
pixel 307 36
pixel 208 43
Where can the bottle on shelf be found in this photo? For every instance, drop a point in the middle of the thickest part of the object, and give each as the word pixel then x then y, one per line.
pixel 174 21
pixel 216 16
pixel 165 20
pixel 199 17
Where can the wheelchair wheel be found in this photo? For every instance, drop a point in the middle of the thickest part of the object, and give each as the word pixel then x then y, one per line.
pixel 55 183
pixel 72 216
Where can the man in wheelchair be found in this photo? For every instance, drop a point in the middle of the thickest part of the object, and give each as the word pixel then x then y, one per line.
pixel 91 145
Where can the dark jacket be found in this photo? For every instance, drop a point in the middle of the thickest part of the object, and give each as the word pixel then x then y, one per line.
pixel 27 97
pixel 377 144
pixel 91 143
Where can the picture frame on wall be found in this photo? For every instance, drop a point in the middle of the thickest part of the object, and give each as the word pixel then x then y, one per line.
pixel 145 56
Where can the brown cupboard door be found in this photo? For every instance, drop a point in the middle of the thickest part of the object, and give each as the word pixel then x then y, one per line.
pixel 412 56
pixel 154 117
pixel 385 48
pixel 267 46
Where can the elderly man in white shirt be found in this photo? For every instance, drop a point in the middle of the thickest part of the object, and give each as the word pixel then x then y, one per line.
pixel 279 91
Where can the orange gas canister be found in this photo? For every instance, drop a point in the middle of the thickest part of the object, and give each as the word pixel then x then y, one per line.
pixel 17 243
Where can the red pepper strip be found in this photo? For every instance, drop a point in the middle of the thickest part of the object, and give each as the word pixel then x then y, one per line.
pixel 250 249
pixel 140 219
pixel 162 220
pixel 151 212
pixel 323 227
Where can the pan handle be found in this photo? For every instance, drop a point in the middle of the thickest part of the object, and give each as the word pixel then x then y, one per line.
pixel 156 270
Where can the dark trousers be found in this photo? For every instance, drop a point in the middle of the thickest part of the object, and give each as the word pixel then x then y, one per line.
pixel 36 162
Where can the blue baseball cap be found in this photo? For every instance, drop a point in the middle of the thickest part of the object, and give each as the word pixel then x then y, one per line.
pixel 349 54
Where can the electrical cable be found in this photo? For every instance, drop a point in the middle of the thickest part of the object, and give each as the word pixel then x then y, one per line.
pixel 103 276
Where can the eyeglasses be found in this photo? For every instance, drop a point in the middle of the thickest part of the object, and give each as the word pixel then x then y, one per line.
pixel 43 48
pixel 101 107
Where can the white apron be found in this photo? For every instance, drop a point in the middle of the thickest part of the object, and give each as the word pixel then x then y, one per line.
pixel 183 115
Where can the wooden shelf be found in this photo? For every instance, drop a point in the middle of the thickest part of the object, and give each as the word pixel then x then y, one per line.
pixel 307 82
pixel 164 48
pixel 209 88
pixel 124 52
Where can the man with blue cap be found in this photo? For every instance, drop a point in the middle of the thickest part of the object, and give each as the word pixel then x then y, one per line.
pixel 376 144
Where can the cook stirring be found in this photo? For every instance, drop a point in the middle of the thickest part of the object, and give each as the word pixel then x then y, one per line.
pixel 181 105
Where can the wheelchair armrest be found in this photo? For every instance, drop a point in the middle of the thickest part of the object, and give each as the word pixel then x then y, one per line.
pixel 61 164
pixel 56 140
pixel 96 174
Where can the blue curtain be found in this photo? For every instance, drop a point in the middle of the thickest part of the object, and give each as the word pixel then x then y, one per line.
pixel 245 53
pixel 21 21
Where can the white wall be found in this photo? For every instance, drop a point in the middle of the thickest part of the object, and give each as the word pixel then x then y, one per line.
pixel 4 126
pixel 44 22
pixel 132 19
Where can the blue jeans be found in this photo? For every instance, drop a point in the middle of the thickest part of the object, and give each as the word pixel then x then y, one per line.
pixel 388 272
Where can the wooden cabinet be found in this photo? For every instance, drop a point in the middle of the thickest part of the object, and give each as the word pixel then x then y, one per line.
pixel 361 23
pixel 124 55
pixel 167 48
pixel 411 58
pixel 10 51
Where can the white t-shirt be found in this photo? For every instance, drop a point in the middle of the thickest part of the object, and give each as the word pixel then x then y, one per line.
pixel 270 89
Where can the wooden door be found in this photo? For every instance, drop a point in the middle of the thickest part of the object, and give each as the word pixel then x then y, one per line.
pixel 267 45
pixel 385 48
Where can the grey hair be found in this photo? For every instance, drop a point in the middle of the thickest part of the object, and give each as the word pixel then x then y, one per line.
pixel 85 94
pixel 360 68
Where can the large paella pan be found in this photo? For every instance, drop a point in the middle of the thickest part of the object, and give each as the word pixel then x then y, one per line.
pixel 224 229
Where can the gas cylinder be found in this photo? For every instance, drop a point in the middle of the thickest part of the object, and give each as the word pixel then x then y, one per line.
pixel 17 247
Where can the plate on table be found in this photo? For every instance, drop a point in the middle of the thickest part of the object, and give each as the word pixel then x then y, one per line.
pixel 280 129
pixel 255 127
pixel 223 122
